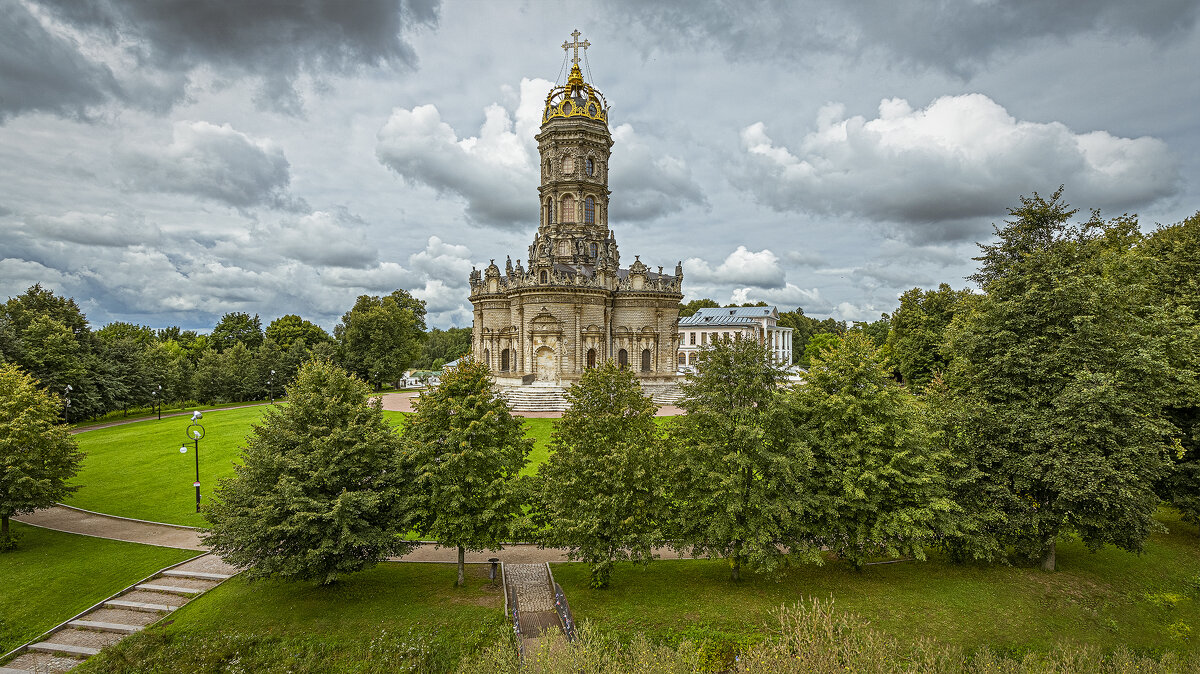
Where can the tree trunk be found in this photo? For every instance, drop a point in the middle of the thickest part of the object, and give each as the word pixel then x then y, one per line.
pixel 462 555
pixel 3 526
pixel 1048 563
pixel 735 573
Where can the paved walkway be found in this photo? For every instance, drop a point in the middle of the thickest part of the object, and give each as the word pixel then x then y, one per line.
pixel 76 521
pixel 402 401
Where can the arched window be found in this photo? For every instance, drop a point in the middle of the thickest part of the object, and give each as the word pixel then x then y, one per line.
pixel 590 165
pixel 692 358
pixel 543 276
pixel 567 212
pixel 623 359
pixel 682 358
pixel 593 250
pixel 591 358
pixel 504 360
pixel 487 357
pixel 645 360
pixel 589 211
pixel 549 212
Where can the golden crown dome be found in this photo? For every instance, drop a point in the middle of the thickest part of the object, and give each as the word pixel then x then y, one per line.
pixel 577 99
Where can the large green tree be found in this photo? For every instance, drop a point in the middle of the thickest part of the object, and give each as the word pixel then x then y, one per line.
pixel 37 453
pixel 804 328
pixel 875 470
pixel 739 472
pixel 1172 254
pixel 444 345
pixel 1065 358
pixel 316 494
pixel 286 330
pixel 462 459
pixel 380 337
pixel 603 488
pixel 919 330
pixel 236 328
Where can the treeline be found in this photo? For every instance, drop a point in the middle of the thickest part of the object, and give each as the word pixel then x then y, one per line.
pixel 122 366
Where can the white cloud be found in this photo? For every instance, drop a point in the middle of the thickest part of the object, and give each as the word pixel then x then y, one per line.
pixel 937 169
pixel 106 229
pixel 786 298
pixel 440 260
pixel 647 183
pixel 213 162
pixel 741 267
pixel 494 171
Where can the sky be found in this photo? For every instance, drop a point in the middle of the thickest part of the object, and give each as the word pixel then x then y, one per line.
pixel 165 162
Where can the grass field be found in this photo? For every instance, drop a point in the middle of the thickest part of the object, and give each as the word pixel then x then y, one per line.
pixel 52 576
pixel 381 620
pixel 135 470
pixel 1149 603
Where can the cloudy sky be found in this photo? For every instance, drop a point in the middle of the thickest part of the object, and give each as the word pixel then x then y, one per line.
pixel 168 161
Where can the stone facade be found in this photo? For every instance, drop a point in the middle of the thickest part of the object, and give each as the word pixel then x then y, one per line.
pixel 574 306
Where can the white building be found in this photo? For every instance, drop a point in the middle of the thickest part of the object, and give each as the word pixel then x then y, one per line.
pixel 761 323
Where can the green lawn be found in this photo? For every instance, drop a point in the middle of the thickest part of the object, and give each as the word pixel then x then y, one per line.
pixel 381 620
pixel 136 470
pixel 52 576
pixel 1106 599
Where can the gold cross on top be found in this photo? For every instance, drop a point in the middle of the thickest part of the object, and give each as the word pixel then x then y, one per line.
pixel 576 44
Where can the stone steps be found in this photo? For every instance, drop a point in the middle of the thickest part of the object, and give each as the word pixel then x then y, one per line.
pixel 537 398
pixel 129 612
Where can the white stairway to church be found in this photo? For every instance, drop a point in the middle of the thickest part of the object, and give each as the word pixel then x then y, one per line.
pixel 547 398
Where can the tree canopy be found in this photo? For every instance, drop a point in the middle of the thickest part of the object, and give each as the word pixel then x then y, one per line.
pixel 602 491
pixel 463 453
pixel 380 337
pixel 317 492
pixel 37 453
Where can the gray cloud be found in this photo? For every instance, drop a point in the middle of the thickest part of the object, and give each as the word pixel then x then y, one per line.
pixel 937 170
pixel 108 229
pixel 333 238
pixel 45 72
pixel 214 162
pixel 958 38
pixel 274 42
pixel 646 183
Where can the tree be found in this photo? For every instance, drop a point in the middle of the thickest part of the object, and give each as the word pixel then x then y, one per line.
pixel 236 328
pixel 740 474
pixel 1173 272
pixel 48 337
pixel 1065 357
pixel 316 494
pixel 286 330
pixel 803 328
pixel 142 335
pixel 602 491
pixel 919 330
pixel 878 330
pixel 381 336
pixel 875 470
pixel 463 453
pixel 445 345
pixel 693 306
pixel 37 454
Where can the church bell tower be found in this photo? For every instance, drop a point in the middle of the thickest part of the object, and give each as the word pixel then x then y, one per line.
pixel 574 145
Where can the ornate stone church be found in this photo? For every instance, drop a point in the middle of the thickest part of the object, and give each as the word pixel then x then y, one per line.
pixel 572 305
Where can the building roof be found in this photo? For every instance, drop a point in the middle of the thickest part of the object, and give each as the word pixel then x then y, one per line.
pixel 729 315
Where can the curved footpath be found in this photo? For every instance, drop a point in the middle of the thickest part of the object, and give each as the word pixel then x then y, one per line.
pixel 87 523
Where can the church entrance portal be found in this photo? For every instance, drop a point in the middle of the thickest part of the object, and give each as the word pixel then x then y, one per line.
pixel 546 369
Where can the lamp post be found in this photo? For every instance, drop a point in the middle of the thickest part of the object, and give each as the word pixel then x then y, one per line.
pixel 156 402
pixel 271 385
pixel 194 433
pixel 67 403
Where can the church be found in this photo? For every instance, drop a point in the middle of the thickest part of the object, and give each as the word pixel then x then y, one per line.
pixel 572 305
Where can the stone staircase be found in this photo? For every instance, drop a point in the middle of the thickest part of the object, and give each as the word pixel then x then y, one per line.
pixel 534 398
pixel 543 398
pixel 127 612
